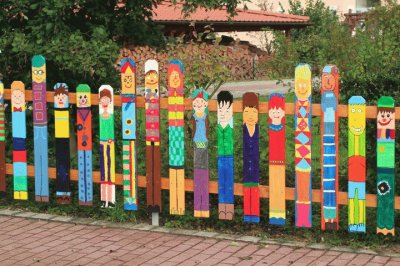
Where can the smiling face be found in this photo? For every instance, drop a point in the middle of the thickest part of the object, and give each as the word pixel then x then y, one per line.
pixel 302 88
pixel 39 74
pixel 357 119
pixel 151 80
pixel 128 82
pixel 83 99
pixel 276 115
pixel 17 98
pixel 385 119
pixel 328 82
pixel 174 80
pixel 105 101
pixel 199 105
pixel 60 100
pixel 250 116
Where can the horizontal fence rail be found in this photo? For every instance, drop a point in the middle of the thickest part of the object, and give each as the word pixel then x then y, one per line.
pixel 371 113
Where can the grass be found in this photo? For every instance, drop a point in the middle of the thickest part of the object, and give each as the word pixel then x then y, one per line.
pixel 289 232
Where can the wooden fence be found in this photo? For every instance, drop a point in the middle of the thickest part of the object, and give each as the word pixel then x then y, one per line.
pixel 371 113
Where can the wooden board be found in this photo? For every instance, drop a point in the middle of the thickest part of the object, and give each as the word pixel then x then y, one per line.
pixel 251 159
pixel 303 134
pixel 385 151
pixel 356 165
pixel 153 155
pixel 40 128
pixel 84 141
pixel 129 165
pixel 107 146
pixel 201 172
pixel 176 134
pixel 18 117
pixel 226 174
pixel 61 126
pixel 329 148
pixel 2 143
pixel 277 158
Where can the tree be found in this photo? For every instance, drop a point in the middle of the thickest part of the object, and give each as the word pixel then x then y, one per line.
pixel 81 39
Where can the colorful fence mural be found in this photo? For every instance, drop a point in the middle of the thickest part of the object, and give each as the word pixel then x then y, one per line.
pixel 251 108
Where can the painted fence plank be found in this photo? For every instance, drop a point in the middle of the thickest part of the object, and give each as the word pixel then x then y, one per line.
pixel 385 149
pixel 40 128
pixel 201 172
pixel 129 165
pixel 226 174
pixel 153 153
pixel 356 164
pixel 18 116
pixel 61 126
pixel 303 134
pixel 330 148
pixel 2 143
pixel 277 159
pixel 251 159
pixel 84 135
pixel 107 146
pixel 176 113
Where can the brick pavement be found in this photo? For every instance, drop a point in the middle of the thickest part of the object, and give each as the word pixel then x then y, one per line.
pixel 26 241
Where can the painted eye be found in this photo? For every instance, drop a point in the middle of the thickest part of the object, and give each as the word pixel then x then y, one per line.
pixel 359 110
pixel 85 96
pixel 388 115
pixel 353 110
pixel 383 116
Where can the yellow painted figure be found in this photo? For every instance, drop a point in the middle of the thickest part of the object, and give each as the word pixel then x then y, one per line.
pixel 356 164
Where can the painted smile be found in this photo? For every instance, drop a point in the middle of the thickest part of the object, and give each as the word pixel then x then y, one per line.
pixel 385 124
pixel 356 129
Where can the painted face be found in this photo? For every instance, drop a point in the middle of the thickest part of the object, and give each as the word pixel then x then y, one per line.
pixel 17 98
pixel 199 105
pixel 276 115
pixel 174 79
pixel 302 88
pixel 328 82
pixel 385 120
pixel 250 116
pixel 225 112
pixel 127 81
pixel 39 74
pixel 105 101
pixel 151 81
pixel 60 100
pixel 83 99
pixel 357 119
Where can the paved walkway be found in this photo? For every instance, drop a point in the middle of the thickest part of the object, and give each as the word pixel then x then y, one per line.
pixel 27 241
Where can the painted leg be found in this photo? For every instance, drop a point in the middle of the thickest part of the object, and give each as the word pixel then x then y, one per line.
pixel 181 191
pixel 173 197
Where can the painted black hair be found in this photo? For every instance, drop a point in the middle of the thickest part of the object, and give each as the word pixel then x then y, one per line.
pixel 225 97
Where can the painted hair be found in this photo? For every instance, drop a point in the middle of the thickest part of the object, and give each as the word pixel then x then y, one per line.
pixel 250 99
pixel 105 93
pixel 278 101
pixel 202 94
pixel 225 97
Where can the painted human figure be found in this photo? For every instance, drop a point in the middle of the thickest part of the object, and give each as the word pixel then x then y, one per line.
pixel 61 117
pixel 329 101
pixel 84 134
pixel 2 144
pixel 385 166
pixel 20 168
pixel 303 145
pixel 226 198
pixel 251 157
pixel 128 96
pixel 277 158
pixel 176 108
pixel 356 164
pixel 153 153
pixel 200 149
pixel 40 128
pixel 107 147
